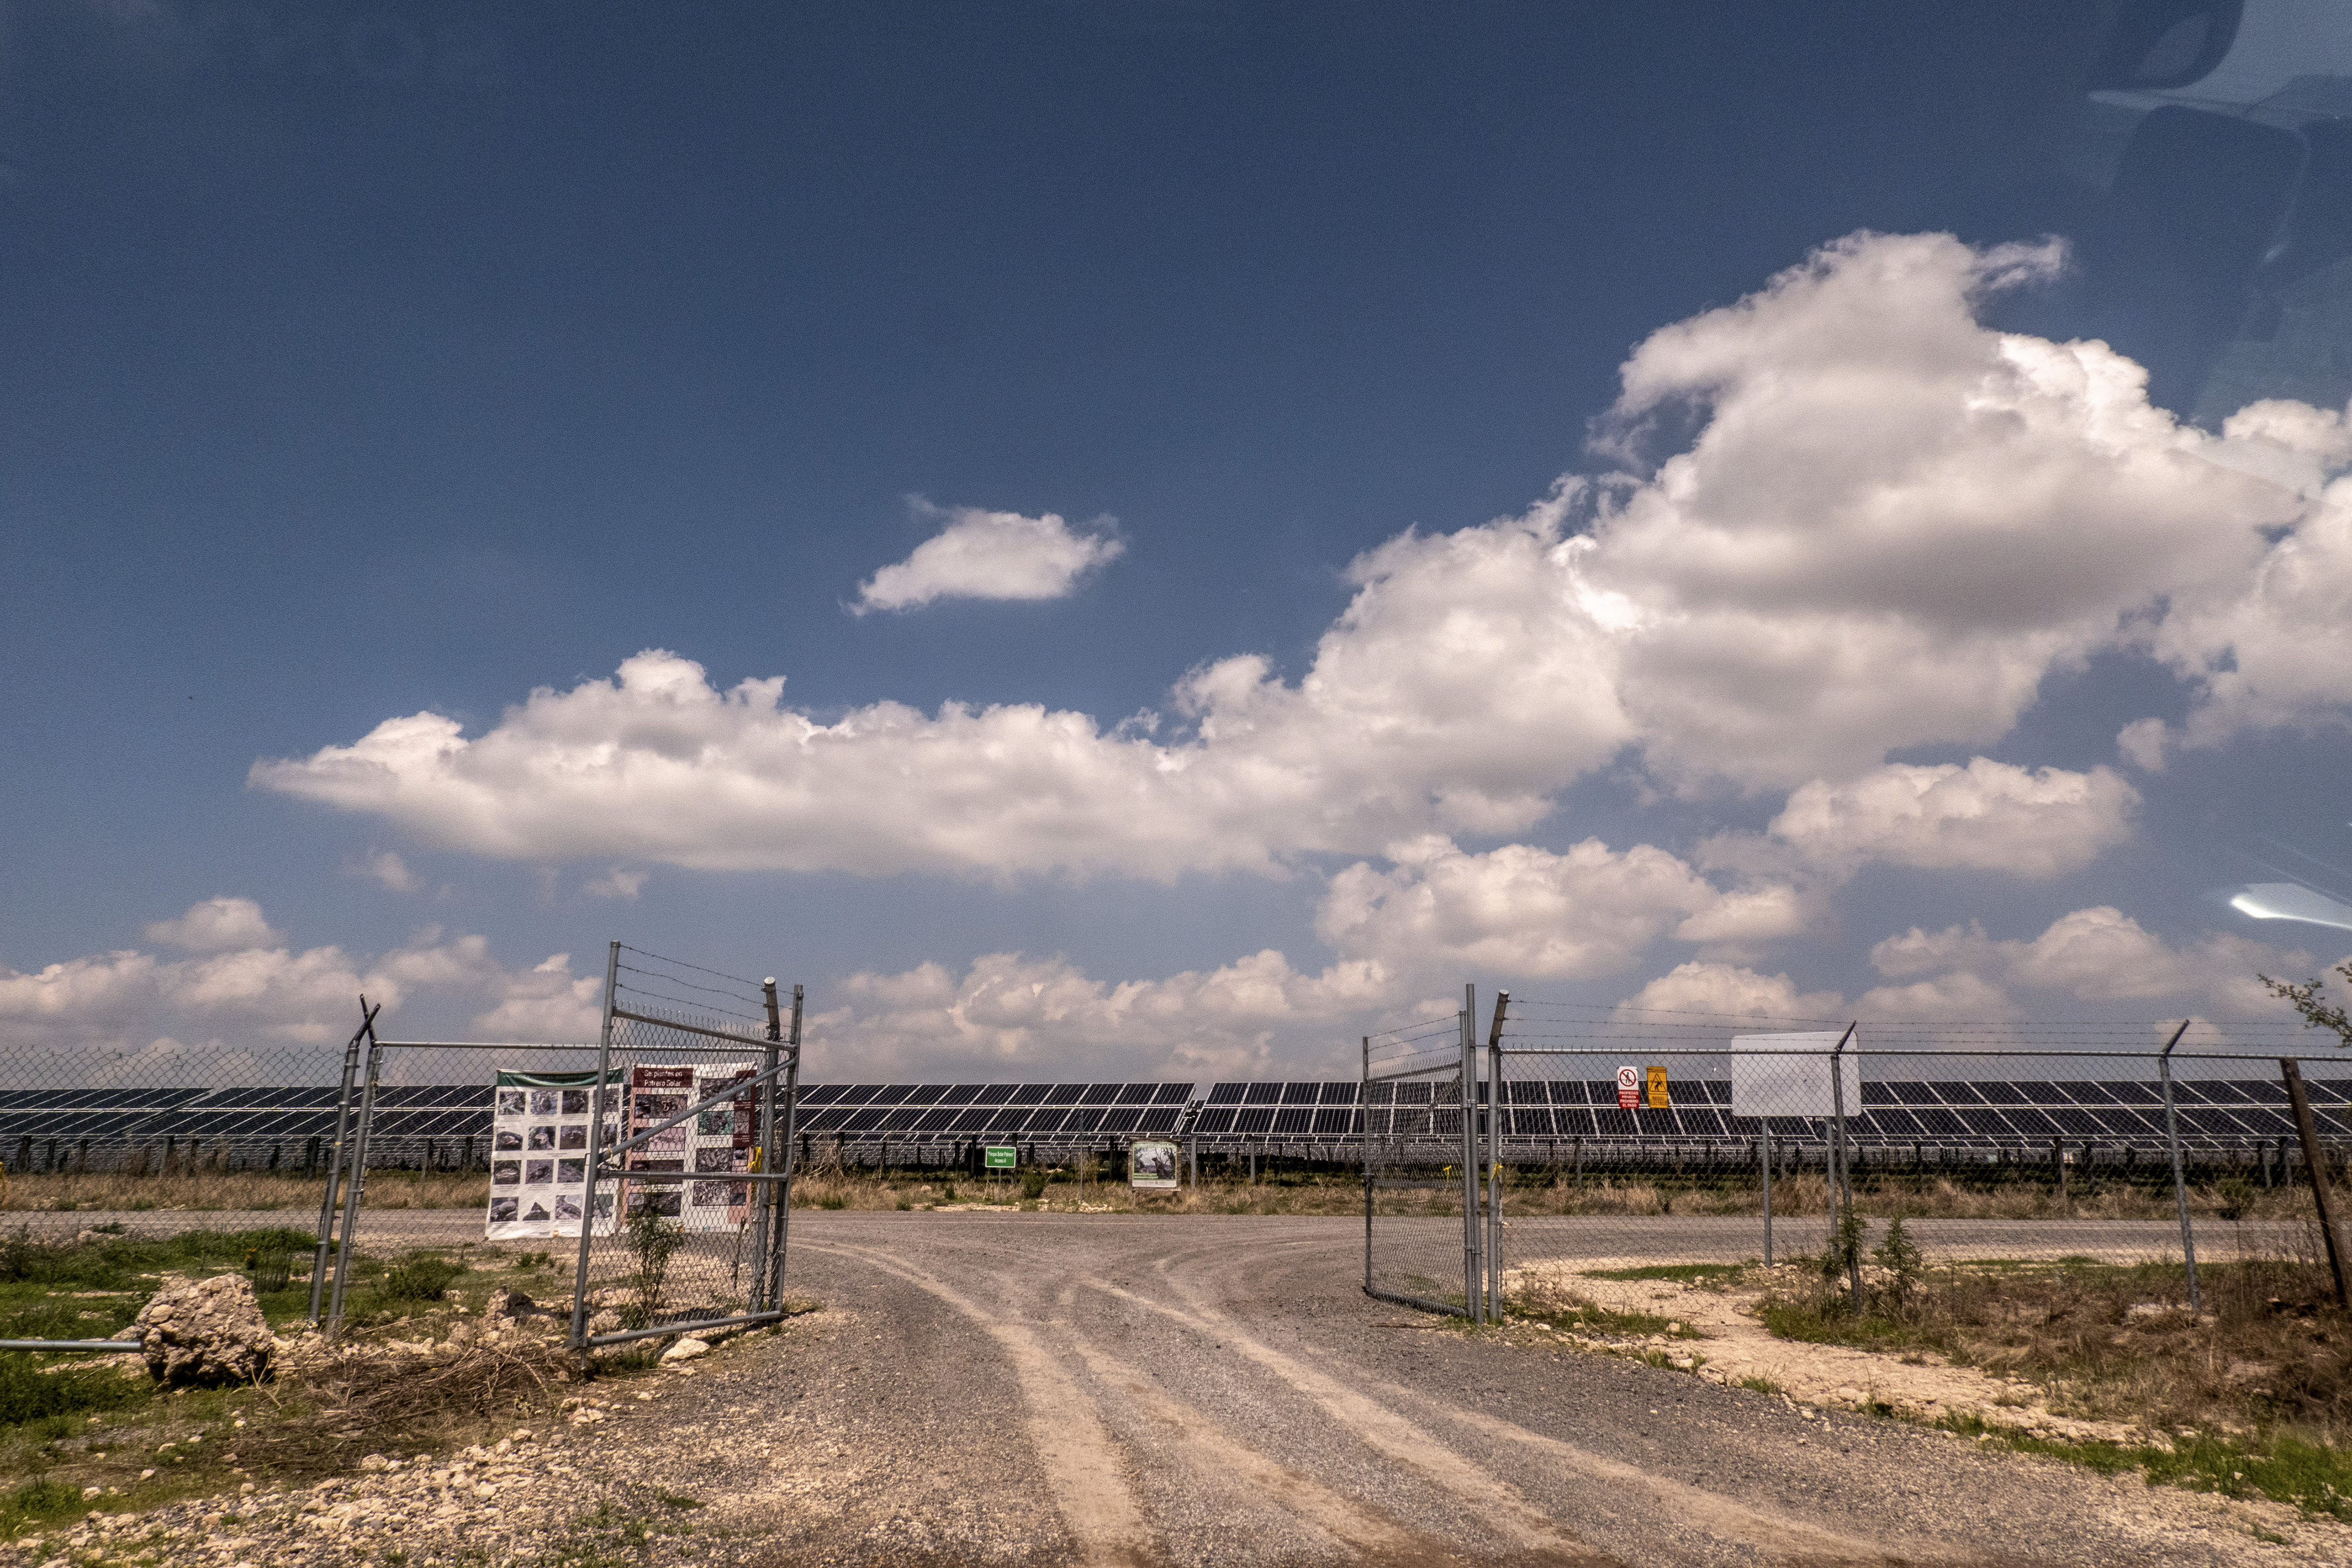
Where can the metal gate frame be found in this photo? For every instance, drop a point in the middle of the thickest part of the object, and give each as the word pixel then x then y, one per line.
pixel 773 1162
pixel 1482 1261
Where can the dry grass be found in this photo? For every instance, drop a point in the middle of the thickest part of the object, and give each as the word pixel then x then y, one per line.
pixel 252 1192
pixel 333 1416
pixel 2118 1343
pixel 1924 1198
pixel 1288 1194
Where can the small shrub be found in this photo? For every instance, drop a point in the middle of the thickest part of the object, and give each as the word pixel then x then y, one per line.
pixel 26 1394
pixel 947 1194
pixel 420 1278
pixel 653 1240
pixel 1032 1184
pixel 1903 1263
pixel 833 1201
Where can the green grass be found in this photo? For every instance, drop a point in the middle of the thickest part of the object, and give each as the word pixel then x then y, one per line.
pixel 1763 1386
pixel 2314 1478
pixel 1687 1273
pixel 1587 1317
pixel 26 1394
pixel 37 1503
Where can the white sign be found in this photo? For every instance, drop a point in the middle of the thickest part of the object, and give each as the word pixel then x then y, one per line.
pixel 538 1155
pixel 1151 1165
pixel 1629 1088
pixel 1789 1075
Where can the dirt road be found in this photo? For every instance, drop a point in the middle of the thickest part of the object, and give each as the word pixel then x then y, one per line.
pixel 1098 1389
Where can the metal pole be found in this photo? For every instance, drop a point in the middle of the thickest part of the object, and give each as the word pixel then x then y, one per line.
pixel 784 1199
pixel 2179 1181
pixel 1765 1143
pixel 599 1095
pixel 1841 1183
pixel 2314 1160
pixel 335 1163
pixel 1472 1297
pixel 1495 1161
pixel 357 1193
pixel 1365 1095
pixel 771 1097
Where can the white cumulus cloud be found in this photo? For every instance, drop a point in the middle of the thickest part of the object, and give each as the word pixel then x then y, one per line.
pixel 1526 911
pixel 1987 816
pixel 982 554
pixel 2096 954
pixel 215 925
pixel 243 989
pixel 1890 526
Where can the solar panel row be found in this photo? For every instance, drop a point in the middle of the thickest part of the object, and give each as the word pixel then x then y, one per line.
pixel 1940 1111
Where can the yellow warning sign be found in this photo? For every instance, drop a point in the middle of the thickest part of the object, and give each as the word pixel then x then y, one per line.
pixel 1653 1088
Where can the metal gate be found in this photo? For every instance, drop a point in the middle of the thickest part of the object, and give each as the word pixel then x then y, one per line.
pixel 689 1185
pixel 1432 1232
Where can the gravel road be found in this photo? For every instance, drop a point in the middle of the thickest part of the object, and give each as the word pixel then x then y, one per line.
pixel 1127 1391
pixel 1101 1389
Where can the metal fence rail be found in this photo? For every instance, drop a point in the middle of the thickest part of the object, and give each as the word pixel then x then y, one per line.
pixel 1599 1142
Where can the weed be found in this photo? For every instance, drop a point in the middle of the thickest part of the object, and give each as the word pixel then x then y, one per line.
pixel 1687 1273
pixel 653 1240
pixel 1760 1384
pixel 1903 1263
pixel 27 1395
pixel 1032 1184
pixel 833 1201
pixel 420 1276
pixel 1568 1311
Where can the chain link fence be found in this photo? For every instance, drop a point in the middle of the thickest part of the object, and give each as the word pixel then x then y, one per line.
pixel 1572 1139
pixel 673 1131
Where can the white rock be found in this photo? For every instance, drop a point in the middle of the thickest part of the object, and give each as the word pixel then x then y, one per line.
pixel 686 1349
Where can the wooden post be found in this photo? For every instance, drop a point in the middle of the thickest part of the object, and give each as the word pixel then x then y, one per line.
pixel 2314 1162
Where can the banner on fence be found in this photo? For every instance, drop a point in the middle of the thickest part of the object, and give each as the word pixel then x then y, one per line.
pixel 1789 1075
pixel 539 1154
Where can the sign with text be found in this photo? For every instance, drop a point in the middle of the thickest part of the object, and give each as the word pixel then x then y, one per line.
pixel 1002 1159
pixel 1653 1088
pixel 1629 1088
pixel 539 1154
pixel 1789 1075
pixel 1151 1166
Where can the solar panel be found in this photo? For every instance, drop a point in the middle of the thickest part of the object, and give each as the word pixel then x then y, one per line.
pixel 1227 1093
pixel 1137 1093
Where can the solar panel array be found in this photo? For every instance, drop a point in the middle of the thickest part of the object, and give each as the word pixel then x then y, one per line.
pixel 1020 1112
pixel 1950 1113
pixel 1985 1113
pixel 249 1119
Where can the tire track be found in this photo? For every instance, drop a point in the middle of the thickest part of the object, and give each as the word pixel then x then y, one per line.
pixel 1386 1428
pixel 1065 1430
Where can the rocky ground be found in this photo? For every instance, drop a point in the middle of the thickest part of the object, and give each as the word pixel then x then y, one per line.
pixel 1054 1389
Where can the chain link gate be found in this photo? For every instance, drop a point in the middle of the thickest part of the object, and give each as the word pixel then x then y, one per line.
pixel 1622 1142
pixel 690 1174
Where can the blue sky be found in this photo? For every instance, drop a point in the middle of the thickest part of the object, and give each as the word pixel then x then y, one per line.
pixel 376 362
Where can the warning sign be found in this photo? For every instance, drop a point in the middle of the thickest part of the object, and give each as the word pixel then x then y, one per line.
pixel 1653 1088
pixel 1629 1088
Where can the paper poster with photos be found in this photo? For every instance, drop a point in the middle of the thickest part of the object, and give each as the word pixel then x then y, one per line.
pixel 657 1094
pixel 722 1141
pixel 539 1154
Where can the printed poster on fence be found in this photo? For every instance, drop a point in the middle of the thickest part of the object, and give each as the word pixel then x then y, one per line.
pixel 657 1094
pixel 539 1154
pixel 723 1136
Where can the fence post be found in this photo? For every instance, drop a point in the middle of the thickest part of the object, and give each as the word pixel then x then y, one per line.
pixel 1473 1295
pixel 356 1188
pixel 783 1198
pixel 1764 1145
pixel 1841 1183
pixel 1364 1097
pixel 2179 1179
pixel 600 1099
pixel 335 1163
pixel 2314 1161
pixel 1495 1160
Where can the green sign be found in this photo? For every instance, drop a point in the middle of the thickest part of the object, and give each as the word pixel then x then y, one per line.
pixel 1002 1159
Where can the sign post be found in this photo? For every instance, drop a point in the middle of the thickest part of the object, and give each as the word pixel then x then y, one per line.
pixel 1000 1157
